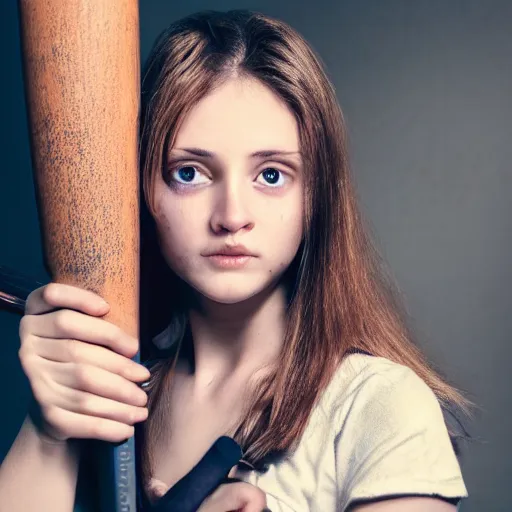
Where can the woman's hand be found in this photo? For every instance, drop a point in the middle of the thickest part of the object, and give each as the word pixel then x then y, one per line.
pixel 235 497
pixel 79 366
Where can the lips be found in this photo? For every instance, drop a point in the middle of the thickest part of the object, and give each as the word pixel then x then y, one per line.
pixel 234 250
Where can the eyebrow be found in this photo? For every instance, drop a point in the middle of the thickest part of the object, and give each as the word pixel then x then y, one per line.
pixel 264 153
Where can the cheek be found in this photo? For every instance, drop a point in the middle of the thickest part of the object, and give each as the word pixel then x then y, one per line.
pixel 286 225
pixel 174 231
pixel 293 215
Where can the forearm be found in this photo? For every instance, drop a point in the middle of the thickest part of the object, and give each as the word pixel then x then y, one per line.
pixel 38 476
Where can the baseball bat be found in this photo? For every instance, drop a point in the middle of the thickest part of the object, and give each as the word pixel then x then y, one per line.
pixel 82 86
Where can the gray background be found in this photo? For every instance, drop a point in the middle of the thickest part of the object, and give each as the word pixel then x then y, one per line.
pixel 425 88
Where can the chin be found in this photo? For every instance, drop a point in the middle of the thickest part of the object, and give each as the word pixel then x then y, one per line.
pixel 230 289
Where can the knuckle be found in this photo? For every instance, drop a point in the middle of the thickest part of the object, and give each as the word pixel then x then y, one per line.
pixel 40 397
pixel 61 320
pixel 82 375
pixel 84 402
pixel 27 359
pixel 28 302
pixel 27 349
pixel 73 350
pixel 32 297
pixel 23 355
pixel 51 414
pixel 50 293
pixel 24 328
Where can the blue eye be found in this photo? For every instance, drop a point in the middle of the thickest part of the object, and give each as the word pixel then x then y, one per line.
pixel 185 174
pixel 189 175
pixel 271 176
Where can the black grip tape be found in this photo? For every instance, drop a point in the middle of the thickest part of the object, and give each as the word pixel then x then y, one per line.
pixel 210 472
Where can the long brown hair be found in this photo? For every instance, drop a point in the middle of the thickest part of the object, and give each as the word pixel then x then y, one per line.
pixel 342 295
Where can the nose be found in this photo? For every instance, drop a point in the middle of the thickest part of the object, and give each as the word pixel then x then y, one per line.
pixel 231 211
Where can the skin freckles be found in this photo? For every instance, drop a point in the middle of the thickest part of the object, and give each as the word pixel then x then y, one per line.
pixel 228 197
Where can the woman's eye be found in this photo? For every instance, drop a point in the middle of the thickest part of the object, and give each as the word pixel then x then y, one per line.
pixel 190 175
pixel 273 177
pixel 186 174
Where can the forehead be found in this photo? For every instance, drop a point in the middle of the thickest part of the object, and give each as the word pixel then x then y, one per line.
pixel 240 117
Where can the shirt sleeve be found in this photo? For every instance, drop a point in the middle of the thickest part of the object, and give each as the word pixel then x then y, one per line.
pixel 393 441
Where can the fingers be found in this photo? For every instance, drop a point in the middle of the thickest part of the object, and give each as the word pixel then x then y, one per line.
pixel 97 381
pixel 82 402
pixel 57 295
pixel 85 427
pixel 74 351
pixel 79 366
pixel 68 324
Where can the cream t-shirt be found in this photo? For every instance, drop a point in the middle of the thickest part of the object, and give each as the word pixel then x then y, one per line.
pixel 378 430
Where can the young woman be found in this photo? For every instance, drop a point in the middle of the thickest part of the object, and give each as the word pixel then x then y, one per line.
pixel 275 321
pixel 243 152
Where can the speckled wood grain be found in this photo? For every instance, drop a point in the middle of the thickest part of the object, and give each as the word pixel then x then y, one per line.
pixel 82 90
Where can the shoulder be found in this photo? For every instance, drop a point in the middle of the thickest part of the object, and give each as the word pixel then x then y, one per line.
pixel 375 399
pixel 366 383
pixel 391 437
pixel 378 385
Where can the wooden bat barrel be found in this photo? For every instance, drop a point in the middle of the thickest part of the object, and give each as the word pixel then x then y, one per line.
pixel 82 77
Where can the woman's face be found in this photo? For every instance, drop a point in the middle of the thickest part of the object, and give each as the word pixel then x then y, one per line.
pixel 233 177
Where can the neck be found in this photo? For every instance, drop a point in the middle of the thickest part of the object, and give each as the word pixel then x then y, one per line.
pixel 232 341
